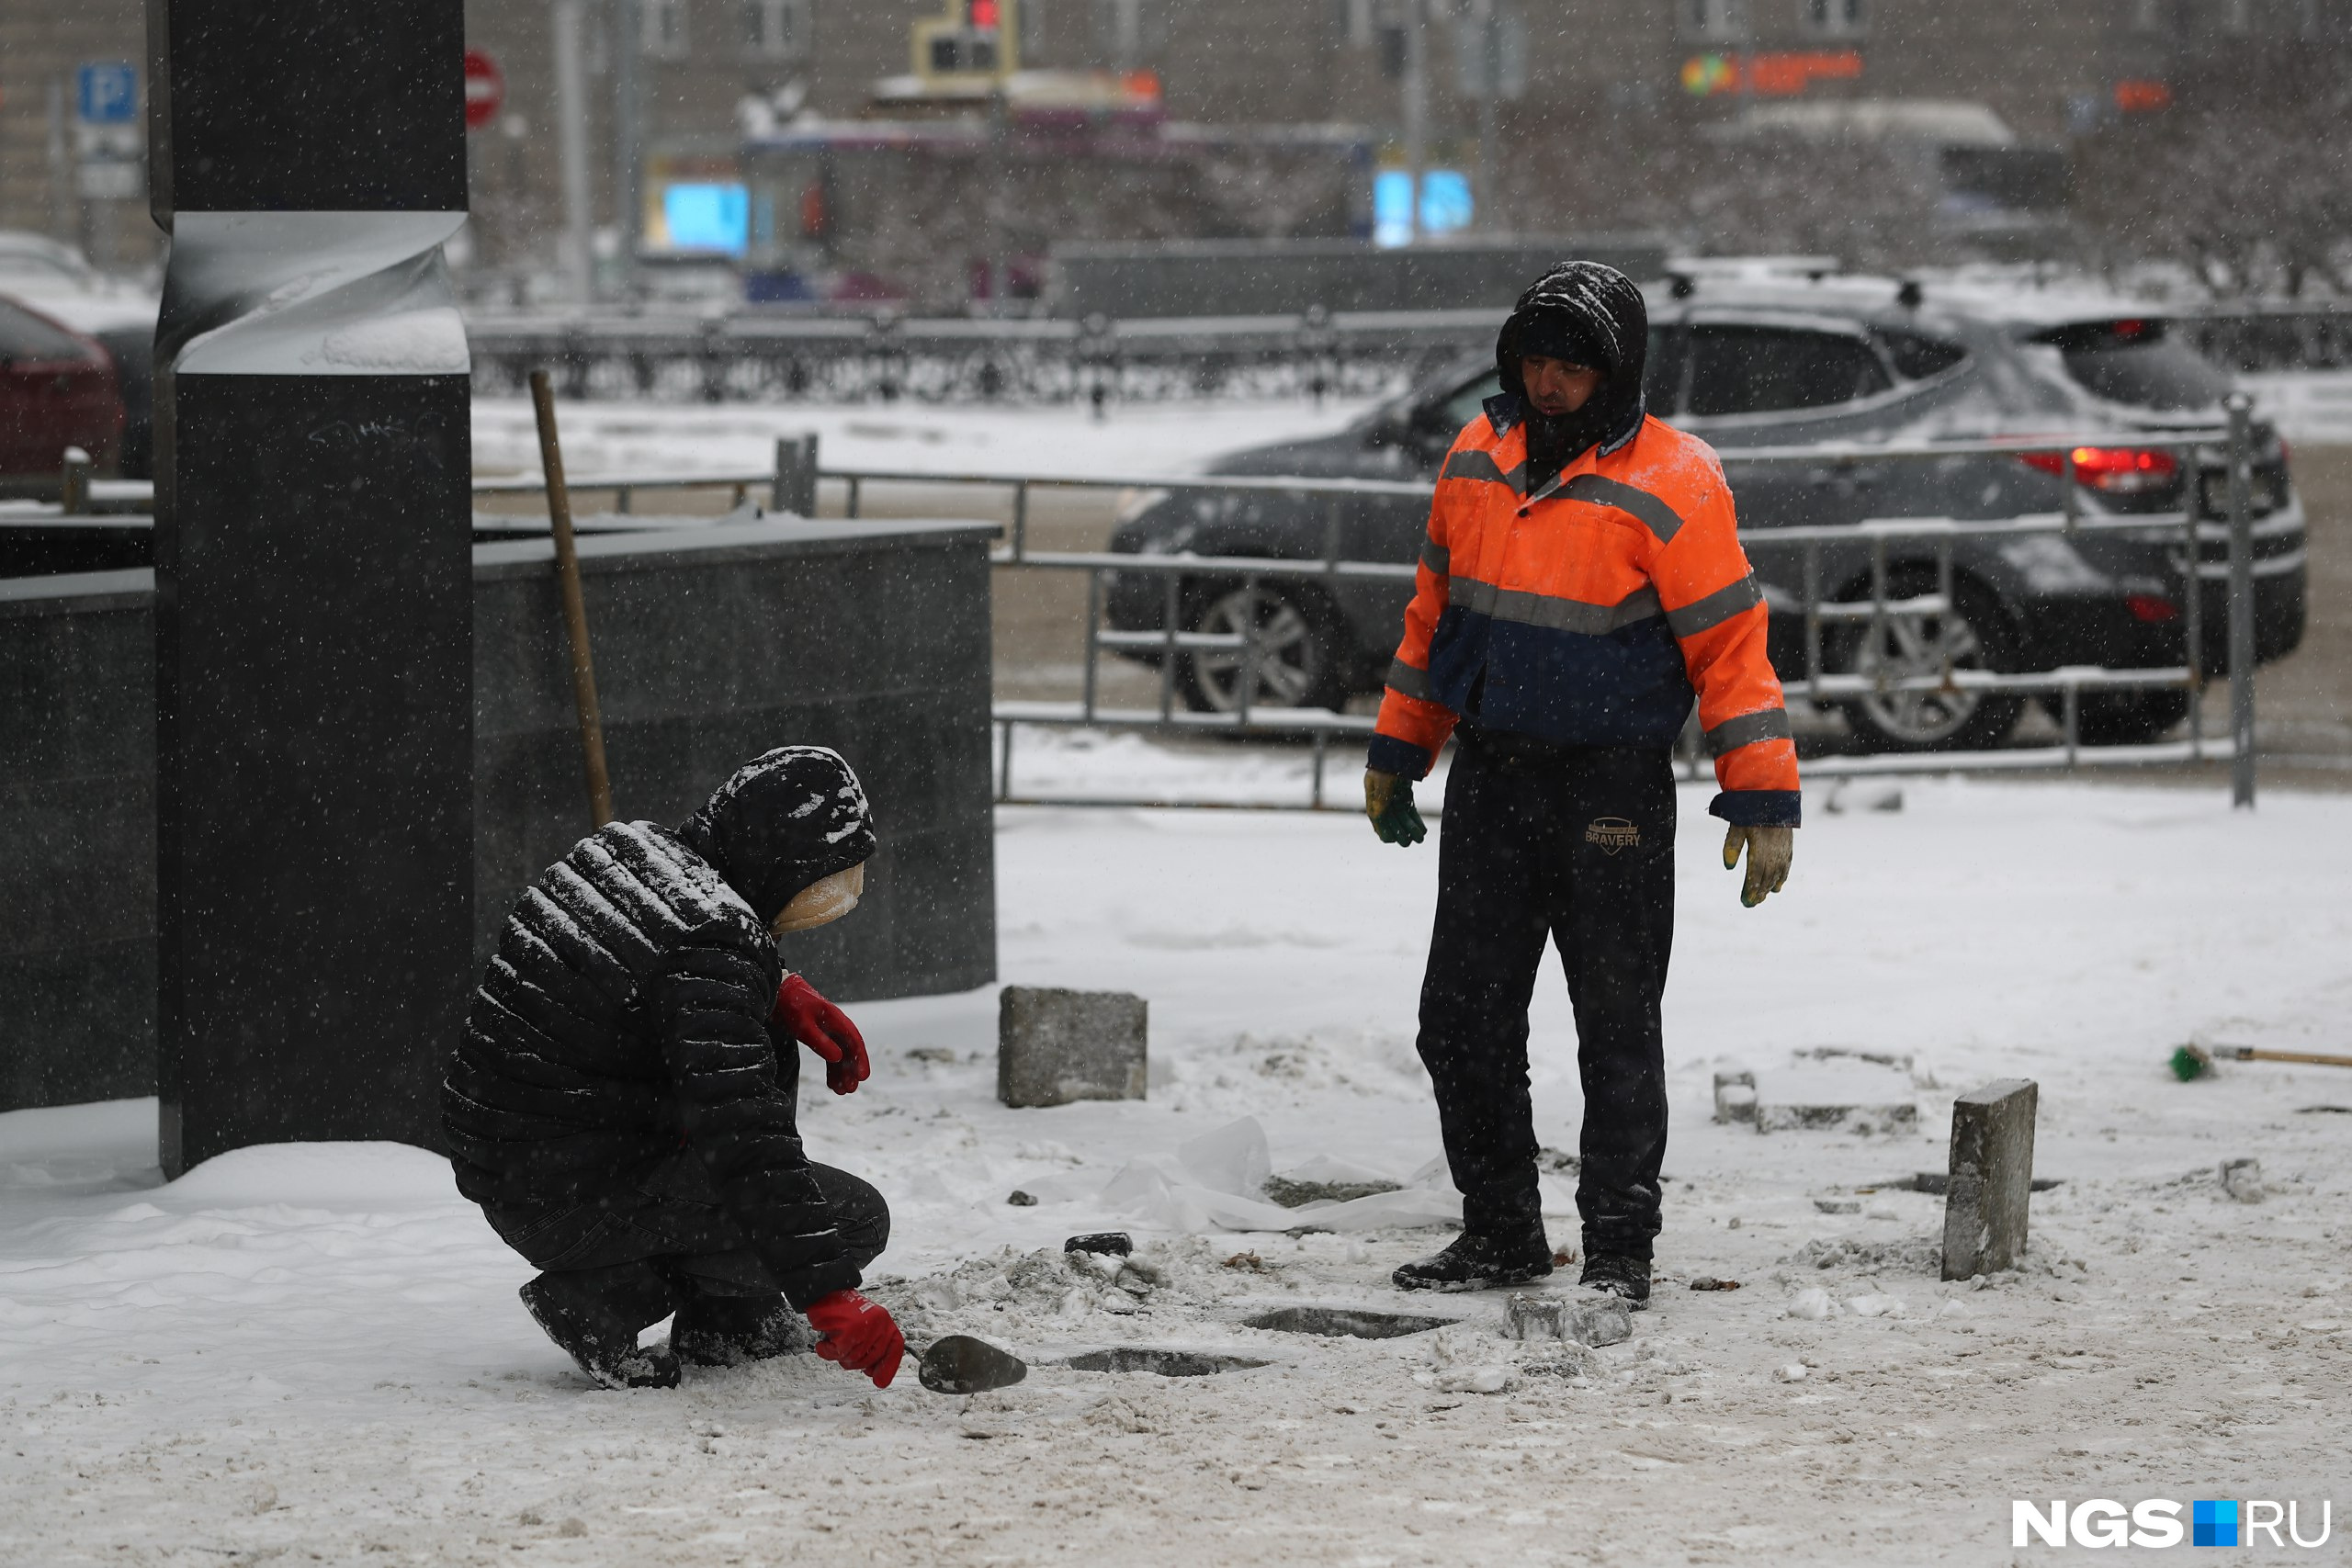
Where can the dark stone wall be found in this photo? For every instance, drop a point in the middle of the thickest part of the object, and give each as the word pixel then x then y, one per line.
pixel 711 644
pixel 313 742
pixel 77 851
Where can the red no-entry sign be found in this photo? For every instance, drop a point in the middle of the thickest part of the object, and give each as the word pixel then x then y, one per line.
pixel 485 89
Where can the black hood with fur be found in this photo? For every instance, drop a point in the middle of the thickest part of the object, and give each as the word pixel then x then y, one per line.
pixel 1594 316
pixel 787 819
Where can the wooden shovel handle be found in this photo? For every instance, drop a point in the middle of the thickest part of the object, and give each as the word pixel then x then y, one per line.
pixel 2312 1058
pixel 575 608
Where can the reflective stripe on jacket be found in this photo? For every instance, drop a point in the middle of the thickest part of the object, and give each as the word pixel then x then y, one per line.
pixel 1594 610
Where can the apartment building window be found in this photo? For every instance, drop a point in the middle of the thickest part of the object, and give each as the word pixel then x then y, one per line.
pixel 661 28
pixel 1720 19
pixel 1130 33
pixel 1833 19
pixel 777 29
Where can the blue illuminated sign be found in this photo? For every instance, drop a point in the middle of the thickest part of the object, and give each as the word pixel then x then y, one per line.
pixel 1446 204
pixel 707 218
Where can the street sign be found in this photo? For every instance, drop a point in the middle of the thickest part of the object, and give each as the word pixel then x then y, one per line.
pixel 109 143
pixel 107 93
pixel 485 90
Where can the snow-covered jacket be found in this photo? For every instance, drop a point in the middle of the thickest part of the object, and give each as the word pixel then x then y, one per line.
pixel 1590 609
pixel 627 1011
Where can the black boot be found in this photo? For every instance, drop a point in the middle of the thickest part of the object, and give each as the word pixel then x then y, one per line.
pixel 595 1334
pixel 1620 1275
pixel 1475 1262
pixel 726 1331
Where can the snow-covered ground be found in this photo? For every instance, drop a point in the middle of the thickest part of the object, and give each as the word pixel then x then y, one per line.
pixel 314 1352
pixel 2308 405
pixel 669 438
pixel 1141 438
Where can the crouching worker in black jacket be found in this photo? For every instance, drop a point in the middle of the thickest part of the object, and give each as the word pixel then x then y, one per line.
pixel 622 1106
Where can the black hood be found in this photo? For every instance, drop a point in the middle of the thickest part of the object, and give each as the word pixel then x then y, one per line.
pixel 1594 315
pixel 784 821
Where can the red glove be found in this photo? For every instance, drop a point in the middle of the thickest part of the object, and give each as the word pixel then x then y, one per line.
pixel 859 1335
pixel 824 1029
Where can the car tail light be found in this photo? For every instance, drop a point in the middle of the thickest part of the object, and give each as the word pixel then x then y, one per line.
pixel 2150 607
pixel 2113 470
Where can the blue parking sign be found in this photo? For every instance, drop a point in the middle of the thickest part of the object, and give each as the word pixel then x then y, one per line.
pixel 107 92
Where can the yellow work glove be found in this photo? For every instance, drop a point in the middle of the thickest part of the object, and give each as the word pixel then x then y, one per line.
pixel 1388 801
pixel 1768 853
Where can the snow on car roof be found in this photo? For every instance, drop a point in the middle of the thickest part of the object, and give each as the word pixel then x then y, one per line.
pixel 58 282
pixel 2018 302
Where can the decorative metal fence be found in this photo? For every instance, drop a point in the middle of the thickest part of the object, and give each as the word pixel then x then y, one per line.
pixel 884 356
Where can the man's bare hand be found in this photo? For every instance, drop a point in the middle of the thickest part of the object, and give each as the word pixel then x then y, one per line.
pixel 1770 850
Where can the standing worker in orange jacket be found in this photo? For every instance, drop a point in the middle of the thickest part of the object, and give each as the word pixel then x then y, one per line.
pixel 1581 582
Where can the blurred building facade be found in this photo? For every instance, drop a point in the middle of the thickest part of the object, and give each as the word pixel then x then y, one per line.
pixel 1592 77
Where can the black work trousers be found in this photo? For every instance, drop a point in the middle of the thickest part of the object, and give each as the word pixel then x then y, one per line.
pixel 646 1246
pixel 1577 844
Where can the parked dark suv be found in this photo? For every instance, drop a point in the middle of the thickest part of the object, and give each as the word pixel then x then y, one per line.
pixel 1798 363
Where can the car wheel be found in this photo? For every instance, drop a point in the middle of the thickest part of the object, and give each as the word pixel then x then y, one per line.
pixel 2124 719
pixel 1298 662
pixel 1972 635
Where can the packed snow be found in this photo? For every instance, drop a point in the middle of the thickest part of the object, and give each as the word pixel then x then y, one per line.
pixel 2307 405
pixel 315 1352
pixel 670 439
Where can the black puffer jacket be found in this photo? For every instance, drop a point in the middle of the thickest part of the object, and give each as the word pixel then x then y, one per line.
pixel 626 1011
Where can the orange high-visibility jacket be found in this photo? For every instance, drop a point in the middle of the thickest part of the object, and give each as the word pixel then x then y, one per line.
pixel 1593 610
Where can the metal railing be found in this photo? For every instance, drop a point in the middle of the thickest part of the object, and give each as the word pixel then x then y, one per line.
pixel 791 484
pixel 886 356
pixel 1172 641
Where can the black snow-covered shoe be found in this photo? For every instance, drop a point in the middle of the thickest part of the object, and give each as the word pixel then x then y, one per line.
pixel 1620 1276
pixel 1475 1262
pixel 726 1331
pixel 605 1350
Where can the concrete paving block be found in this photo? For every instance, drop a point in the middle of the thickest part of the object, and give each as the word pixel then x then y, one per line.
pixel 1054 1046
pixel 1841 1091
pixel 1598 1319
pixel 1992 1177
pixel 1736 1097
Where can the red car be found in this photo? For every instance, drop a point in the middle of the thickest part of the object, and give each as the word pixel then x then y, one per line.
pixel 57 389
